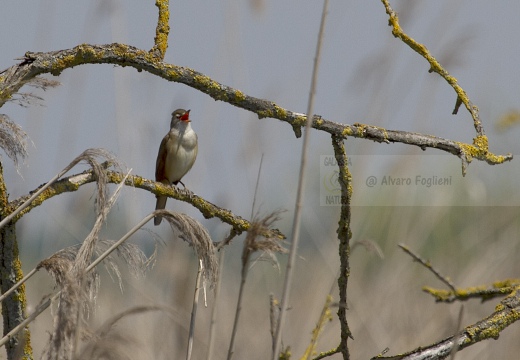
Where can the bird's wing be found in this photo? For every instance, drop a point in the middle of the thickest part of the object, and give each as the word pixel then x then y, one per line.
pixel 160 165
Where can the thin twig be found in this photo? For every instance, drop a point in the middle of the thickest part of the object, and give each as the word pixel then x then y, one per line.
pixel 232 234
pixel 19 283
pixel 256 186
pixel 243 278
pixel 245 268
pixel 194 310
pixel 456 335
pixel 301 186
pixel 274 312
pixel 428 266
pixel 325 354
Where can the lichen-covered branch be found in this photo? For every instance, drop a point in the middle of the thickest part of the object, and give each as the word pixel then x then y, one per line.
pixel 506 313
pixel 435 66
pixel 344 236
pixel 207 209
pixel 54 62
pixel 13 307
pixel 162 30
pixel 485 292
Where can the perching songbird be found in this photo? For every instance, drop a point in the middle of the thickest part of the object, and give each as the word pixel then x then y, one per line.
pixel 177 154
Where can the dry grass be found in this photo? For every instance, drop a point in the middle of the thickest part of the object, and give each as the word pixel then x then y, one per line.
pixel 386 305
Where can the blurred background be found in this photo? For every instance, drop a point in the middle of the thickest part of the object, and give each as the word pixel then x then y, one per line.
pixel 468 228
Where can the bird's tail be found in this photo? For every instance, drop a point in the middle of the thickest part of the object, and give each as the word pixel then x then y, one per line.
pixel 159 205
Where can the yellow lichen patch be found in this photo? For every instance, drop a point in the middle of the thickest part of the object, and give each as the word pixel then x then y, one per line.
pixel 500 307
pixel 87 54
pixel 506 283
pixel 465 293
pixel 84 54
pixel 60 64
pixel 347 131
pixel 281 113
pixel 163 27
pixel 480 150
pixel 138 181
pixel 121 50
pixel 438 294
pixel 5 95
pixel 264 114
pixel 493 325
pixel 202 80
pixel 300 120
pixel 496 159
pixel 171 72
pixel 360 129
pixel 239 96
pixel 210 86
pixel 481 142
pixel 384 131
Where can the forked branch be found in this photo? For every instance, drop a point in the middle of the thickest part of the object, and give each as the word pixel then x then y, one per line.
pixel 54 62
pixel 506 313
pixel 435 66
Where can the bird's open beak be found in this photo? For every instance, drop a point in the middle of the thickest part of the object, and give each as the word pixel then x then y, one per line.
pixel 186 116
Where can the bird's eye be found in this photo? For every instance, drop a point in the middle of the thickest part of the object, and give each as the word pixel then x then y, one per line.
pixel 178 116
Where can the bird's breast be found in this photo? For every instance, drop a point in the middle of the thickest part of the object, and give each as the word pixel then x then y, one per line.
pixel 180 155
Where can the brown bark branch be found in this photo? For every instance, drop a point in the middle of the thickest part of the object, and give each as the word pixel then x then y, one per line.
pixel 344 236
pixel 206 208
pixel 55 62
pixel 506 313
pixel 435 66
pixel 13 307
pixel 484 293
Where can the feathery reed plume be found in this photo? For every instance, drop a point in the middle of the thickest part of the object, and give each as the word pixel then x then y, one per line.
pixel 60 263
pixel 13 140
pixel 90 156
pixel 192 231
pixel 76 288
pixel 27 99
pixel 255 242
